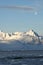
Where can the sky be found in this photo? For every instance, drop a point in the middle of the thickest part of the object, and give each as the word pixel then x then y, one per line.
pixel 21 15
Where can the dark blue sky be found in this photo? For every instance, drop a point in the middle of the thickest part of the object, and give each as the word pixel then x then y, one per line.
pixel 12 20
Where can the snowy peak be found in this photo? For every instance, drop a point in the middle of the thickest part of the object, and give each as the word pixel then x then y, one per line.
pixel 16 35
pixel 32 33
pixel 27 37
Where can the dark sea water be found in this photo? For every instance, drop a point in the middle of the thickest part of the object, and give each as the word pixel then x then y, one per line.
pixel 23 57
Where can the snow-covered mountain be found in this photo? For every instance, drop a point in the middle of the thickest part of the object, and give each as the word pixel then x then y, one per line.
pixel 21 41
pixel 24 37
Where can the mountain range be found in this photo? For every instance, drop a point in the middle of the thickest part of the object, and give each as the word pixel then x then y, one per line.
pixel 21 40
pixel 28 37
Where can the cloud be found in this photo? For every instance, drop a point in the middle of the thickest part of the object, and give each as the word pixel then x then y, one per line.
pixel 28 8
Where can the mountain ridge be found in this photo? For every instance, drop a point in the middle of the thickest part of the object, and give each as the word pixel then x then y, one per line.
pixel 21 41
pixel 28 37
